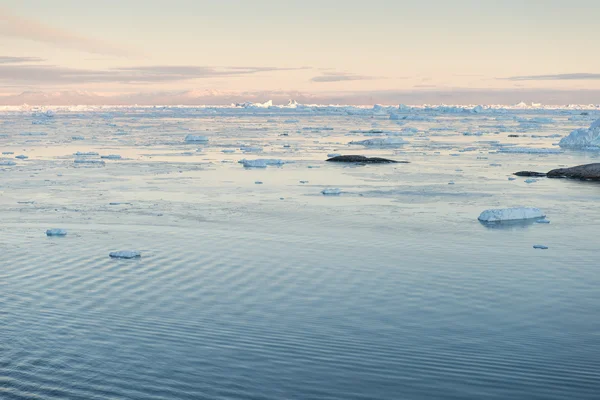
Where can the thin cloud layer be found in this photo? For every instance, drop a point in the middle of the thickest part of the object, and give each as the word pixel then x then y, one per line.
pixel 19 60
pixel 52 75
pixel 340 77
pixel 557 77
pixel 24 28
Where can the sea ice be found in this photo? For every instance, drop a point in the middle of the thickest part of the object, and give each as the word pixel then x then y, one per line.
pixel 381 142
pixel 22 157
pixel 331 155
pixel 196 139
pixel 112 157
pixel 511 214
pixel 527 150
pixel 331 192
pixel 540 247
pixel 7 162
pixel 56 232
pixel 88 153
pixel 83 161
pixel 125 254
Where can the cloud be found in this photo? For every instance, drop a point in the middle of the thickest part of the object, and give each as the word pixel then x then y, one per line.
pixel 557 77
pixel 53 75
pixel 23 28
pixel 341 77
pixel 19 60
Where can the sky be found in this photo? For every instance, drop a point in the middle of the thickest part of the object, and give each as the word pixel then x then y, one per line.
pixel 352 50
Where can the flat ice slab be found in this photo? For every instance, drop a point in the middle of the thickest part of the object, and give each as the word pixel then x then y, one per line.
pixel 7 162
pixel 540 247
pixel 112 157
pixel 381 142
pixel 125 254
pixel 261 162
pixel 56 232
pixel 83 161
pixel 511 214
pixel 331 192
pixel 196 139
pixel 85 153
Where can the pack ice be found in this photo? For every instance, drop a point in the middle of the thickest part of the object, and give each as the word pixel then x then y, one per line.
pixel 511 214
pixel 582 138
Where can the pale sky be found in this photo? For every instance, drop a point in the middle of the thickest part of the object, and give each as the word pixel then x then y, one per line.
pixel 309 46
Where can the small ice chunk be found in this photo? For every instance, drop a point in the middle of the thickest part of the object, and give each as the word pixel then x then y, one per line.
pixel 451 183
pixel 511 214
pixel 381 142
pixel 112 157
pixel 331 155
pixel 7 162
pixel 196 139
pixel 77 138
pixel 258 183
pixel 540 247
pixel 228 151
pixel 125 254
pixel 331 191
pixel 22 157
pixel 261 162
pixel 542 221
pixel 8 152
pixel 83 161
pixel 56 232
pixel 87 153
pixel 530 180
pixel 510 178
pixel 303 182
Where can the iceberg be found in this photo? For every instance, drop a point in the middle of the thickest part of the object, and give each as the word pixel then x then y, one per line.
pixel 261 162
pixel 125 254
pixel 511 214
pixel 381 142
pixel 196 139
pixel 56 232
pixel 582 138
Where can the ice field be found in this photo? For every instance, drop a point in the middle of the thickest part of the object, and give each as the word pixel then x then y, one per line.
pixel 265 272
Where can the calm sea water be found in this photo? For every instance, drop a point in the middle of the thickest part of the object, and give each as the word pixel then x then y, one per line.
pixel 392 290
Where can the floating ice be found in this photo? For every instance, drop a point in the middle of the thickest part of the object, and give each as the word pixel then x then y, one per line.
pixel 540 247
pixel 112 157
pixel 77 138
pixel 83 161
pixel 88 153
pixel 125 254
pixel 56 232
pixel 331 155
pixel 7 162
pixel 381 142
pixel 543 221
pixel 227 151
pixel 511 214
pixel 582 138
pixel 258 183
pixel 261 162
pixel 251 149
pixel 478 109
pixel 8 152
pixel 22 157
pixel 528 150
pixel 196 139
pixel 331 192
pixel 530 180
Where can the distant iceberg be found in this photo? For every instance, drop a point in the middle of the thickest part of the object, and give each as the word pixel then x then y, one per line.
pixel 582 138
pixel 261 162
pixel 511 214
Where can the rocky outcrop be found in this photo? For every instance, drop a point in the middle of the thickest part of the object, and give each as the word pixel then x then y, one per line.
pixel 530 173
pixel 363 160
pixel 588 172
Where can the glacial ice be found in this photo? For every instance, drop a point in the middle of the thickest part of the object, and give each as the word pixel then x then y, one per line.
pixel 582 138
pixel 261 162
pixel 88 153
pixel 511 214
pixel 56 232
pixel 331 191
pixel 128 254
pixel 22 157
pixel 112 157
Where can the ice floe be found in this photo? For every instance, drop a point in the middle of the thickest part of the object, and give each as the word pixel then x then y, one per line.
pixel 261 162
pixel 381 142
pixel 56 232
pixel 196 139
pixel 511 214
pixel 125 254
pixel 331 191
pixel 112 157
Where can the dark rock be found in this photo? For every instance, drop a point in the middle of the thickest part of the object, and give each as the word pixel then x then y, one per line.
pixel 513 135
pixel 363 160
pixel 529 173
pixel 590 172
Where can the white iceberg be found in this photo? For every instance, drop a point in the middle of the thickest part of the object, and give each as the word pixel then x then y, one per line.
pixel 125 254
pixel 331 192
pixel 56 232
pixel 196 139
pixel 582 138
pixel 381 142
pixel 261 162
pixel 511 214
